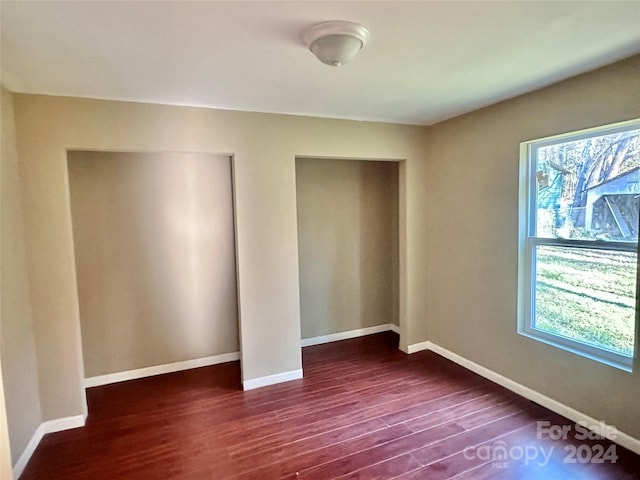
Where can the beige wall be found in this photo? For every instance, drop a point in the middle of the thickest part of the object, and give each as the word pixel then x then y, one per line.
pixel 472 272
pixel 458 204
pixel 155 258
pixel 17 349
pixel 264 147
pixel 347 244
pixel 6 472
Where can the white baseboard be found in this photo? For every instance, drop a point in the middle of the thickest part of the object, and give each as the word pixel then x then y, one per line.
pixel 271 379
pixel 20 465
pixel 418 347
pixel 618 437
pixel 50 426
pixel 360 332
pixel 159 369
pixel 66 423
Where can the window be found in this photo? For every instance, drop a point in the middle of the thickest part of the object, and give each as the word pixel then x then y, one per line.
pixel 579 209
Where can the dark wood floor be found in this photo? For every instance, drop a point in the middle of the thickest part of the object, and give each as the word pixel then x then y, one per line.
pixel 363 411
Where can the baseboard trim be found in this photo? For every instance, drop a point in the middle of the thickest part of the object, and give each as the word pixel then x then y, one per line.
pixel 20 465
pixel 572 414
pixel 418 347
pixel 159 369
pixel 50 426
pixel 360 332
pixel 272 379
pixel 66 423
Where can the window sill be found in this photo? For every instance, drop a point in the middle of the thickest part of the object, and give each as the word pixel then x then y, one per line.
pixel 612 359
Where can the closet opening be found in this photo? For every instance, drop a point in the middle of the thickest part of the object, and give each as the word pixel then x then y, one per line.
pixel 154 244
pixel 348 247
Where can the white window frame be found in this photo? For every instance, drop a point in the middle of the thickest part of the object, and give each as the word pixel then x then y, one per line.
pixel 527 244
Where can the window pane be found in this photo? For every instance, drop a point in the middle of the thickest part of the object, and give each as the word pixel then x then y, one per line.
pixel 589 189
pixel 587 295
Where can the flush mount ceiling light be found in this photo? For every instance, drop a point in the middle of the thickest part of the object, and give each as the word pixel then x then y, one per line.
pixel 336 43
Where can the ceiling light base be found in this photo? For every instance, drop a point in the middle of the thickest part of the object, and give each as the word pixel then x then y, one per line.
pixel 336 43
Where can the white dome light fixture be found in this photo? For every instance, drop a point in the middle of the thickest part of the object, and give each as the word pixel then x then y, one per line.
pixel 336 43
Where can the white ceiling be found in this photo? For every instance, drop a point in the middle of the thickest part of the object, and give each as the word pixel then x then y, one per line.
pixel 425 61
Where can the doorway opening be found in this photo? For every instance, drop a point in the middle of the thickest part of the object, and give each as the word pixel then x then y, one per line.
pixel 154 244
pixel 348 247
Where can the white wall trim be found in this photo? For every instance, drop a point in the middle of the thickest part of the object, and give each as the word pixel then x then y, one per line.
pixel 418 347
pixel 20 465
pixel 66 423
pixel 159 369
pixel 272 379
pixel 620 438
pixel 360 332
pixel 50 426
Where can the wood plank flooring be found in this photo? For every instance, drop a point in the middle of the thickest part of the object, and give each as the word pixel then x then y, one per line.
pixel 363 411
